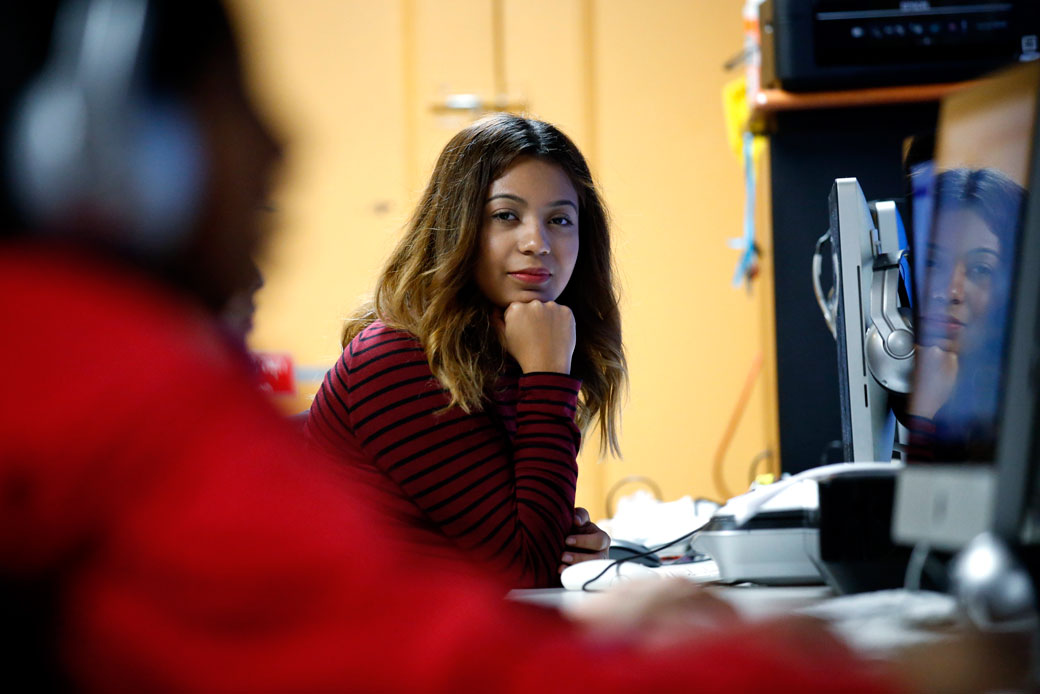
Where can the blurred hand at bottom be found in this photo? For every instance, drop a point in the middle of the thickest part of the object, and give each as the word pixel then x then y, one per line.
pixel 673 613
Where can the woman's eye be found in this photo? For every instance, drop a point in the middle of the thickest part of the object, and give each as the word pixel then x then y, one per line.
pixel 504 215
pixel 561 220
pixel 981 272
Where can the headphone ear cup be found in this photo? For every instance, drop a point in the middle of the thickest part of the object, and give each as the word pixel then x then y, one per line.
pixel 48 159
pixel 889 339
pixel 90 152
pixel 165 176
pixel 891 364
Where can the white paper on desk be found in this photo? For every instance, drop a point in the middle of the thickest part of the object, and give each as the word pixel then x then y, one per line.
pixel 642 518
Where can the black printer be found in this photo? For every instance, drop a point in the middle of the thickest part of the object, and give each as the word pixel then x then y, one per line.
pixel 812 45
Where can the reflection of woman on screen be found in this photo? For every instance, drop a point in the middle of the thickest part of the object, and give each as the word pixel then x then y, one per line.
pixel 962 309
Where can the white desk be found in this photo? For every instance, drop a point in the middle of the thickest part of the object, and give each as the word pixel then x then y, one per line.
pixel 950 656
pixel 871 634
pixel 751 601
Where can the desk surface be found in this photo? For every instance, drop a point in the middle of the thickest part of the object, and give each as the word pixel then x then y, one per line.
pixel 752 601
pixel 874 635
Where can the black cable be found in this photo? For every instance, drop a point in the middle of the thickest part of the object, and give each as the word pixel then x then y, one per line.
pixel 653 550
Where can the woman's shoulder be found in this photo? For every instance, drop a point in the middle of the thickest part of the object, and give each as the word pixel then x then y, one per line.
pixel 381 358
pixel 377 332
pixel 379 341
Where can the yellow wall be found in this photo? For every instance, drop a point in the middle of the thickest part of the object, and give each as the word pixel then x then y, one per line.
pixel 354 83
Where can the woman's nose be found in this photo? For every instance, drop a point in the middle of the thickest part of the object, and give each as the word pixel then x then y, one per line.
pixel 534 240
pixel 952 290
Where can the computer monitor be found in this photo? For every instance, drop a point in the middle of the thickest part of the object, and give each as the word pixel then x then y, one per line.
pixel 874 342
pixel 972 412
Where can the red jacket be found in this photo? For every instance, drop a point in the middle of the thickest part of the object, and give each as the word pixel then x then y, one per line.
pixel 183 540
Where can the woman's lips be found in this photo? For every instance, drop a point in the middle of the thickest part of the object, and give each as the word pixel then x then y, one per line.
pixel 531 275
pixel 942 325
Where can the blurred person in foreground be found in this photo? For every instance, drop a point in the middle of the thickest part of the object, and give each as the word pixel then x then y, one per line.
pixel 160 524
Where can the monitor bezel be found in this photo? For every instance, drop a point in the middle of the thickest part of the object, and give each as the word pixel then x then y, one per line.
pixel 865 410
pixel 1016 455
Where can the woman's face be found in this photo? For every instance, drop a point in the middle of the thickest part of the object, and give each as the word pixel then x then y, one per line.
pixel 529 236
pixel 963 266
pixel 242 155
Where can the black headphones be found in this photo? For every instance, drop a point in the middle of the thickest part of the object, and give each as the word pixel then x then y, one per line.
pixel 889 338
pixel 91 146
pixel 889 341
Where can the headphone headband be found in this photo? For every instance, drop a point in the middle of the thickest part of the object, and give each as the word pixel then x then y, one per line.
pixel 91 151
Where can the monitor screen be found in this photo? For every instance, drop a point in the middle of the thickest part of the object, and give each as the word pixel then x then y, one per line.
pixel 967 257
pixel 970 252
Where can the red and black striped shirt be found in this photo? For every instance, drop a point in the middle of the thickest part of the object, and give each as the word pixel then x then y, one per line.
pixel 497 484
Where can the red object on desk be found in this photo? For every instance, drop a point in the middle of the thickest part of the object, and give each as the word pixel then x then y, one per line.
pixel 274 372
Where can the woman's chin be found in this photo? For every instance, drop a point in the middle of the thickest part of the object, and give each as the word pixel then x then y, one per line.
pixel 946 344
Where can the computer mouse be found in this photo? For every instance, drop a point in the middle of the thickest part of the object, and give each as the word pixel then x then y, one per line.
pixel 575 577
pixel 623 549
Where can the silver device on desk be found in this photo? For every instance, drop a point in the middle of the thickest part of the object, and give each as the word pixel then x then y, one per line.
pixel 770 535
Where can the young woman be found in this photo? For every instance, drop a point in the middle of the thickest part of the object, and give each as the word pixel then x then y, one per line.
pixel 493 340
pixel 962 313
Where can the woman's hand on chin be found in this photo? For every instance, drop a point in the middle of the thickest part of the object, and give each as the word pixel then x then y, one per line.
pixel 937 369
pixel 539 335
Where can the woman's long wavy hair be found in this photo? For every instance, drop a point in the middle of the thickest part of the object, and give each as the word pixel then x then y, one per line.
pixel 427 287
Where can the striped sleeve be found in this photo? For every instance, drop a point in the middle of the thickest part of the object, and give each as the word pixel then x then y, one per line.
pixel 507 503
pixel 923 439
